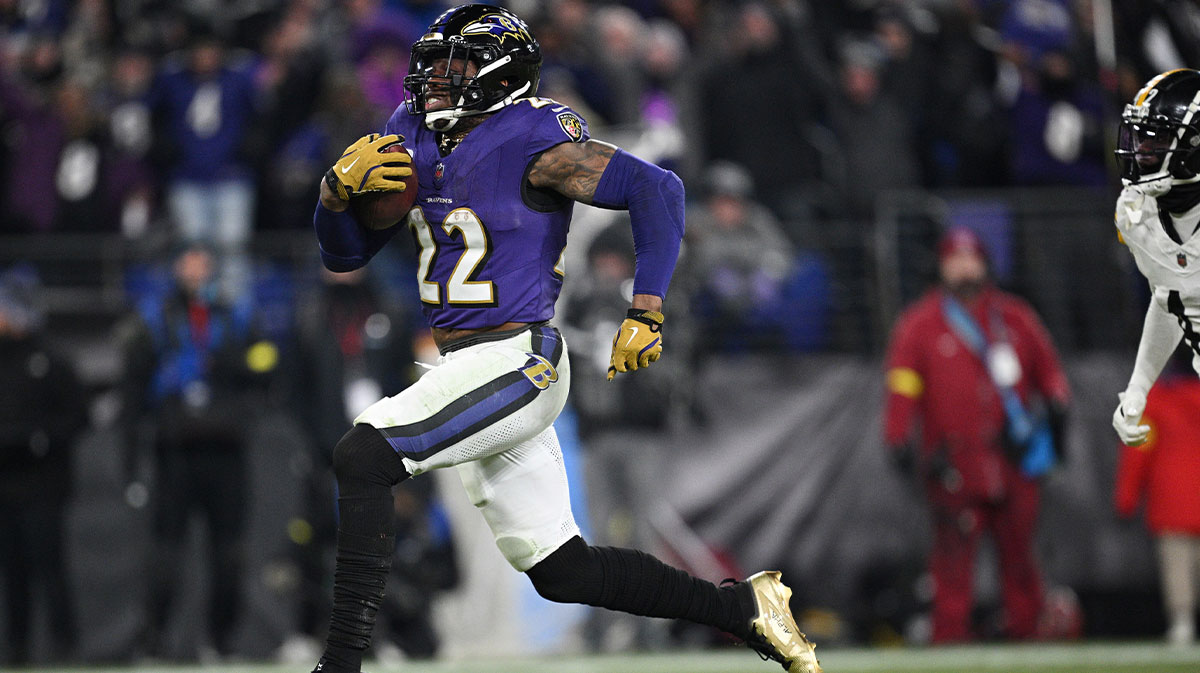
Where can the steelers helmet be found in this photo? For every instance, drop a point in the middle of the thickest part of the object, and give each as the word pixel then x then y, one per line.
pixel 495 40
pixel 1160 130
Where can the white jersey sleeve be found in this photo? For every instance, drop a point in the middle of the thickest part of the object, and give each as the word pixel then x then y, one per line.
pixel 1161 333
pixel 1173 271
pixel 1164 263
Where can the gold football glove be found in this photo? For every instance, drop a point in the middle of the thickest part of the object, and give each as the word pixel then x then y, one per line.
pixel 638 342
pixel 366 167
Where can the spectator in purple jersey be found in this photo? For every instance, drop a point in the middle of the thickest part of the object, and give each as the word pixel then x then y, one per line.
pixel 498 171
pixel 125 102
pixel 381 73
pixel 64 155
pixel 1057 126
pixel 82 173
pixel 375 22
pixel 1056 115
pixel 205 108
pixel 377 37
pixel 33 141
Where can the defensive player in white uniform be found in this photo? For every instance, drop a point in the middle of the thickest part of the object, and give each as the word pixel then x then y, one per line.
pixel 1158 214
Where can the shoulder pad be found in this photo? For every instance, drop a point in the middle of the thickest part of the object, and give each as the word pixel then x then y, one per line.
pixel 1133 208
pixel 561 121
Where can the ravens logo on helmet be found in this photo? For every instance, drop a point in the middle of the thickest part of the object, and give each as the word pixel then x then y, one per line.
pixel 472 60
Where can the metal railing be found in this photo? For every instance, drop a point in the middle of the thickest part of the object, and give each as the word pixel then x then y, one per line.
pixel 1055 247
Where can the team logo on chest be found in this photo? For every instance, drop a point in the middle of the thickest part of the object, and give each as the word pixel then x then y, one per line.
pixel 439 174
pixel 1181 259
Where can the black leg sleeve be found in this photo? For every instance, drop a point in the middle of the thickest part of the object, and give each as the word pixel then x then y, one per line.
pixel 366 467
pixel 633 581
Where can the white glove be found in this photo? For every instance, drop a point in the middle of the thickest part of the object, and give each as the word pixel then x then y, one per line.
pixel 1138 201
pixel 1127 416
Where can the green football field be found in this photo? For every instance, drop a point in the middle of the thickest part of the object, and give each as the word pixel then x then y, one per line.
pixel 1074 658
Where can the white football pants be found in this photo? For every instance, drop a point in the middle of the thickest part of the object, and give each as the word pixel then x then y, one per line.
pixel 488 409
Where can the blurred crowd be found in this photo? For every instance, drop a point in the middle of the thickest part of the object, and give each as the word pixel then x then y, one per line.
pixel 186 129
pixel 210 121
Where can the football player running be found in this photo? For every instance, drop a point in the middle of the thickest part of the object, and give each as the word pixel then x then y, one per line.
pixel 498 172
pixel 1158 214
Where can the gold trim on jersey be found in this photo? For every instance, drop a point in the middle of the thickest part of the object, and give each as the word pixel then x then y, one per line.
pixel 468 224
pixel 560 267
pixel 428 290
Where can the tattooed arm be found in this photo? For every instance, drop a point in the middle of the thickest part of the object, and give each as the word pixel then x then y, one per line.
pixel 602 175
pixel 572 169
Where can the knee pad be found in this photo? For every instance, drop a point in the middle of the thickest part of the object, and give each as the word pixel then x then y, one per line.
pixel 572 574
pixel 363 456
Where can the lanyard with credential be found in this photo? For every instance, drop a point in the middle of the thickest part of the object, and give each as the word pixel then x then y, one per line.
pixel 1020 426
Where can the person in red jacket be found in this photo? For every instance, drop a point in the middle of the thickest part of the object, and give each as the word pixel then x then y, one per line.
pixel 1164 473
pixel 968 368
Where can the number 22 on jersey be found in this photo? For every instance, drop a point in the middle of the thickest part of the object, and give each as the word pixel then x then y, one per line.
pixel 460 287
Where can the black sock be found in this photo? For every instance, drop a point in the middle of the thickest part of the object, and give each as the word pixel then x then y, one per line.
pixel 366 467
pixel 633 581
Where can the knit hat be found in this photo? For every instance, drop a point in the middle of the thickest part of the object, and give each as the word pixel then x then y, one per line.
pixel 725 178
pixel 960 238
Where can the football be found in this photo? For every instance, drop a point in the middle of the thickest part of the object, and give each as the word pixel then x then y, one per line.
pixel 380 210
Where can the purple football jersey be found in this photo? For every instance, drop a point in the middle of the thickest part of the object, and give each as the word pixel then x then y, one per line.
pixel 489 246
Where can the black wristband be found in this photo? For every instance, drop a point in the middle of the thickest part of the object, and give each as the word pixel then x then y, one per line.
pixel 334 183
pixel 654 319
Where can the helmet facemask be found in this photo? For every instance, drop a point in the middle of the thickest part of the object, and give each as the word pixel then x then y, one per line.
pixel 481 57
pixel 1159 135
pixel 1150 150
pixel 440 68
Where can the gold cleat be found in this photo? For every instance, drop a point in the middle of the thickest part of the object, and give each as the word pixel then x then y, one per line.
pixel 773 628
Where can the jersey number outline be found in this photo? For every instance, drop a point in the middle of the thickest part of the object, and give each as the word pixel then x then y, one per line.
pixel 461 288
pixel 537 102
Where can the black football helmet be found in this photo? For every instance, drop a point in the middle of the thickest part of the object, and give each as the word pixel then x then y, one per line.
pixel 496 41
pixel 1160 130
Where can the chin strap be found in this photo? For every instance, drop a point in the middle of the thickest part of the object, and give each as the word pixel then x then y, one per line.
pixel 1181 198
pixel 441 120
pixel 452 114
